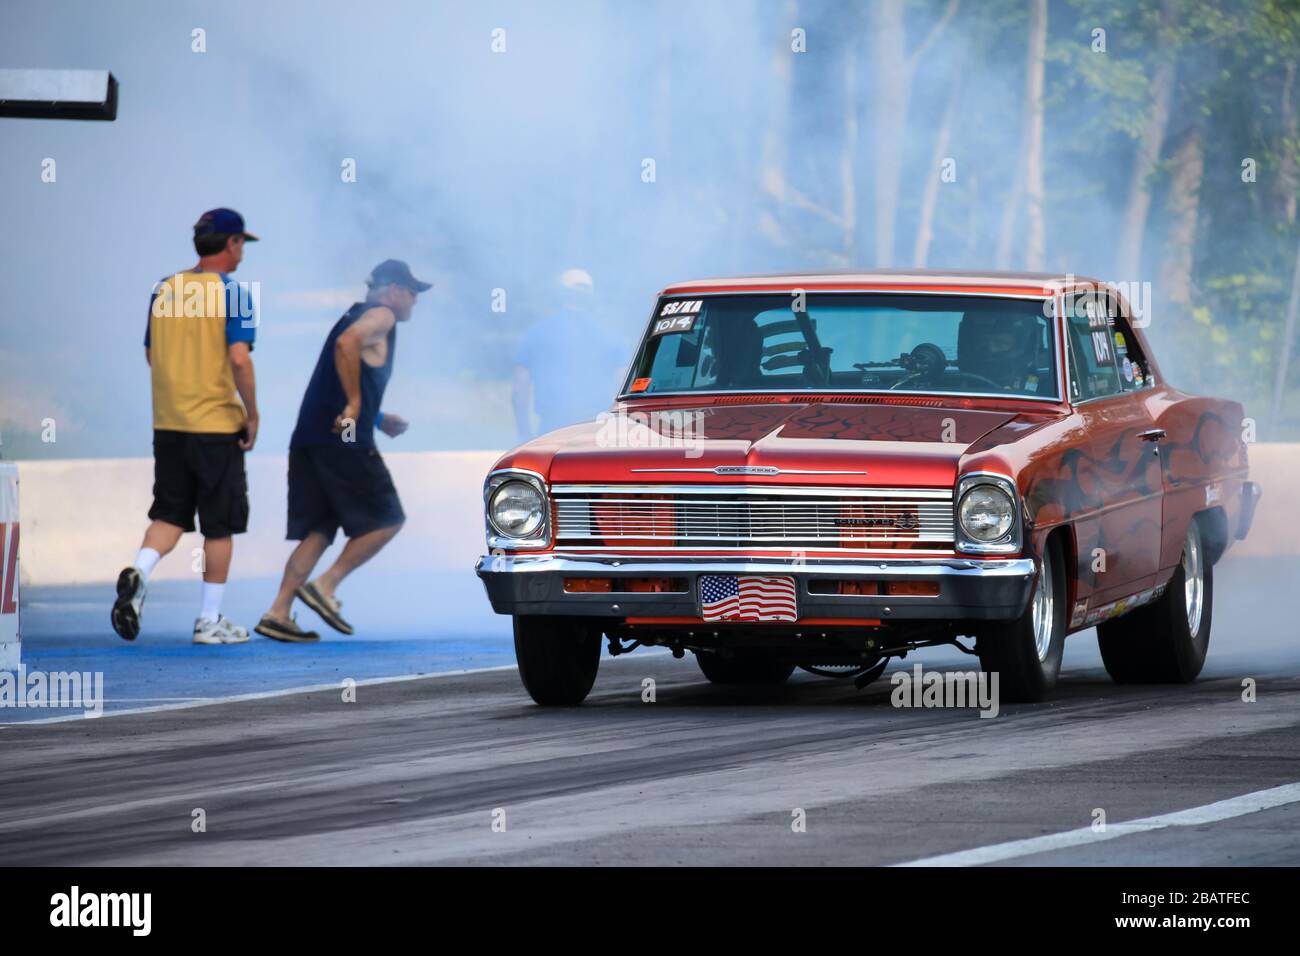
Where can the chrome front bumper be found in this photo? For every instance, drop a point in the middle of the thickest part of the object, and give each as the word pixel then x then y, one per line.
pixel 969 588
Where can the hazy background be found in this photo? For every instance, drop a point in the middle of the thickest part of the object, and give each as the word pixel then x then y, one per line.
pixel 499 170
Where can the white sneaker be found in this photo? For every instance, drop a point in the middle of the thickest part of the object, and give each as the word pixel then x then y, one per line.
pixel 130 603
pixel 220 631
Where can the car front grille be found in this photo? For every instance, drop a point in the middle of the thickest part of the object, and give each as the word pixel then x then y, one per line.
pixel 749 517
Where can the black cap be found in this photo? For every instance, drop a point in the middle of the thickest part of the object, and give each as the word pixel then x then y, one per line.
pixel 395 272
pixel 222 221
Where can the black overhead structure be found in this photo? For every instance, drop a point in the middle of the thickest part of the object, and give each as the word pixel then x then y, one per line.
pixel 58 94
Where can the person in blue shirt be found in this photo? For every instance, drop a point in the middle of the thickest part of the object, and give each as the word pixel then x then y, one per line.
pixel 567 367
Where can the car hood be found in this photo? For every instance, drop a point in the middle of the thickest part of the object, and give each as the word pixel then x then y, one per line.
pixel 780 443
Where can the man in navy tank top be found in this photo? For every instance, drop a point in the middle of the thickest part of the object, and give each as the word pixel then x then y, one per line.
pixel 337 478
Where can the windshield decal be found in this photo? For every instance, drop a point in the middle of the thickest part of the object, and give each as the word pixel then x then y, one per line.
pixel 679 323
pixel 682 307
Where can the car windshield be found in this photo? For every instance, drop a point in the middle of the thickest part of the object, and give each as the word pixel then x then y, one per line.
pixel 957 344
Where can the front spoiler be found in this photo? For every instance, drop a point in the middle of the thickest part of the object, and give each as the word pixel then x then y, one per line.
pixel 969 588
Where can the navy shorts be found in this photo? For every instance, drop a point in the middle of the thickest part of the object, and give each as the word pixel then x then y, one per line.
pixel 204 473
pixel 340 486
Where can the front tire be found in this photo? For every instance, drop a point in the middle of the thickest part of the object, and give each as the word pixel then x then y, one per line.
pixel 748 669
pixel 1026 653
pixel 1166 641
pixel 558 659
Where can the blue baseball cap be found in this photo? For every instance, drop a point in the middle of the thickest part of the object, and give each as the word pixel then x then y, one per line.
pixel 222 221
pixel 395 271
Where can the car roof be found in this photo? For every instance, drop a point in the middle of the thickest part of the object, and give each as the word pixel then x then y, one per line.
pixel 1010 283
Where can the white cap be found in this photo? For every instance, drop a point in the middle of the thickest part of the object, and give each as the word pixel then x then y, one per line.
pixel 577 280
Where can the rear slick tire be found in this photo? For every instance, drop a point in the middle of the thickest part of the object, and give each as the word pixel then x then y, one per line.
pixel 1166 641
pixel 558 658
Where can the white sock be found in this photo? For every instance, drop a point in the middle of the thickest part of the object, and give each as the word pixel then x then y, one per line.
pixel 145 561
pixel 212 601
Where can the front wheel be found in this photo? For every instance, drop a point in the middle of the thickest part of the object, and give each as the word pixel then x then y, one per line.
pixel 558 659
pixel 1026 653
pixel 1166 641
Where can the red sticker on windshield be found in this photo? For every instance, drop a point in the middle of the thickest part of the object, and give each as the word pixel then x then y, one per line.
pixel 640 385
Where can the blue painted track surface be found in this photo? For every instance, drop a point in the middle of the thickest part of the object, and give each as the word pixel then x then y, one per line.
pixel 414 624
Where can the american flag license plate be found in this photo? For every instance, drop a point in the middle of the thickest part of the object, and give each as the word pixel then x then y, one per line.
pixel 747 597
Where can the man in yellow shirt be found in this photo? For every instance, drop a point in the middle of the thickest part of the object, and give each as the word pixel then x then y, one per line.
pixel 198 343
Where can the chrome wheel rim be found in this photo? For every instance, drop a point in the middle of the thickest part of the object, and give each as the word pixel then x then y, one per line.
pixel 1044 604
pixel 1193 580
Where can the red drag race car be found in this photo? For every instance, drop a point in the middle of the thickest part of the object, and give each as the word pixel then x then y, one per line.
pixel 829 471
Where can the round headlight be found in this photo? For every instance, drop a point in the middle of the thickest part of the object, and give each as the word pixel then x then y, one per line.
pixel 516 509
pixel 986 513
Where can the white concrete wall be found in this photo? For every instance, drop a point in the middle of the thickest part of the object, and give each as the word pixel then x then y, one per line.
pixel 82 519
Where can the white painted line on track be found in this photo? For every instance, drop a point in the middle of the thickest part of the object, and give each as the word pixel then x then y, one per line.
pixel 1196 816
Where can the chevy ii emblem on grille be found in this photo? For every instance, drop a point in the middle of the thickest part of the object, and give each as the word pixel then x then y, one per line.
pixel 905 521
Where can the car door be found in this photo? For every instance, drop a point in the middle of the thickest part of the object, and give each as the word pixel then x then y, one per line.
pixel 1120 535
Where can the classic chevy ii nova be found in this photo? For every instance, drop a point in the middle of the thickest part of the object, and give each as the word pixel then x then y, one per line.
pixel 827 472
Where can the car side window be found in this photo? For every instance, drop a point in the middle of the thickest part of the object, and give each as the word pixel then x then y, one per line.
pixel 1094 371
pixel 1129 361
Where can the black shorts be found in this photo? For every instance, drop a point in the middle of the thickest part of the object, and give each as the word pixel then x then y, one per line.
pixel 343 485
pixel 203 473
